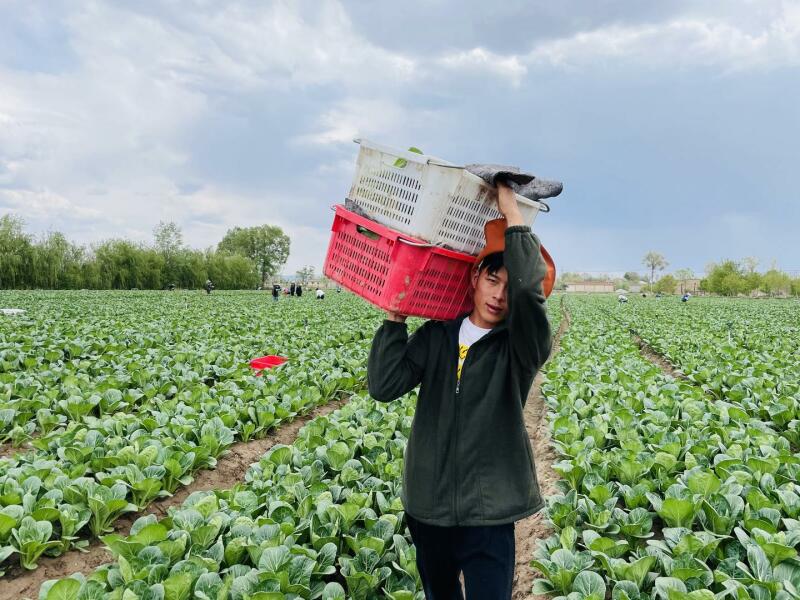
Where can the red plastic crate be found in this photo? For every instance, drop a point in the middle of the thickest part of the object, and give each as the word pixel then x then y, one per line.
pixel 396 272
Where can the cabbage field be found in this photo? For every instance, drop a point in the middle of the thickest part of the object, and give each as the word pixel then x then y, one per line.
pixel 675 485
pixel 116 399
pixel 675 426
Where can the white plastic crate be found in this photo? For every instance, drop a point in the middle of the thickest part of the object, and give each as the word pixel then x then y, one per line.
pixel 427 198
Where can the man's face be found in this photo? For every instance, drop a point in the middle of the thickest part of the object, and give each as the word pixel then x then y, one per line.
pixel 490 297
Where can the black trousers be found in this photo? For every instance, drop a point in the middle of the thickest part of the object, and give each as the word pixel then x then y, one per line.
pixel 485 555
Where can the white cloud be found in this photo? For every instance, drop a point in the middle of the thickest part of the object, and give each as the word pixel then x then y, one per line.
pixel 104 143
pixel 278 45
pixel 206 215
pixel 483 62
pixel 44 205
pixel 373 118
pixel 203 216
pixel 308 247
pixel 687 42
pixel 117 120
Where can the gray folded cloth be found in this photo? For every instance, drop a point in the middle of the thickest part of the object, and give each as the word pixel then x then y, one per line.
pixel 524 184
pixel 355 208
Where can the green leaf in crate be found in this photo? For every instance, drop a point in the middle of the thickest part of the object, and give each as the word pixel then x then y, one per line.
pixel 401 163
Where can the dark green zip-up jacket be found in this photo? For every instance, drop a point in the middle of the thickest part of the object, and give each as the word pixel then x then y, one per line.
pixel 469 461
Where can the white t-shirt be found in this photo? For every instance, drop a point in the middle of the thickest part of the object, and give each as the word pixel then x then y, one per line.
pixel 468 335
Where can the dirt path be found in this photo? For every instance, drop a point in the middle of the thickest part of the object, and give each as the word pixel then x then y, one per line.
pixel 8 450
pixel 230 469
pixel 657 359
pixel 529 531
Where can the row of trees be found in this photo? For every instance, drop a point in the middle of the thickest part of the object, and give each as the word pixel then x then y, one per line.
pixel 245 258
pixel 731 278
pixel 727 278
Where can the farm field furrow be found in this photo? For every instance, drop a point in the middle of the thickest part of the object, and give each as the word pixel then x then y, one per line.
pixel 321 518
pixel 84 474
pixel 311 520
pixel 666 491
pixel 742 352
pixel 231 467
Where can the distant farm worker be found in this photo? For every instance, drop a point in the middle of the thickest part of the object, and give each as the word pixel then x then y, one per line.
pixel 208 286
pixel 298 290
pixel 292 289
pixel 276 292
pixel 622 298
pixel 685 297
pixel 320 294
pixel 469 468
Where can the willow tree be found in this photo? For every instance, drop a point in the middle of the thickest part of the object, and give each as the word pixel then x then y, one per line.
pixel 266 245
pixel 16 253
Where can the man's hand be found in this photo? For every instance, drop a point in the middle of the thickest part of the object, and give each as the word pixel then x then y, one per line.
pixel 507 205
pixel 393 316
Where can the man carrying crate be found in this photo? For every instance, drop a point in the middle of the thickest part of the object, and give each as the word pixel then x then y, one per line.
pixel 469 469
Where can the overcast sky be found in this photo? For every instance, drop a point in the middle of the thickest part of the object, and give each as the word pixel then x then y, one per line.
pixel 675 126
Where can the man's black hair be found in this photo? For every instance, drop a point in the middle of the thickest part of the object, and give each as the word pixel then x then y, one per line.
pixel 491 262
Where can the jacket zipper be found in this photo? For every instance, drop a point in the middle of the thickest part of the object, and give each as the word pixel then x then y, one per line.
pixel 455 436
pixel 457 409
pixel 455 452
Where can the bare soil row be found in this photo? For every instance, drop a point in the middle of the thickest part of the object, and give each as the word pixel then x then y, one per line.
pixel 529 531
pixel 231 468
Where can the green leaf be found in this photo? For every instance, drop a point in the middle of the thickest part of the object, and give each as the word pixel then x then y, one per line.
pixel 664 585
pixel 338 454
pixel 177 586
pixel 625 590
pixel 274 560
pixel 65 589
pixel 280 454
pixel 635 571
pixel 788 572
pixel 590 585
pixel 208 586
pixel 333 591
pixel 703 483
pixel 677 512
pixel 151 534
pixel 777 553
pixel 759 563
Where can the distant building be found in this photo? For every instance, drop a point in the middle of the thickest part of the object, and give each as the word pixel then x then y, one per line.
pixel 689 285
pixel 593 287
